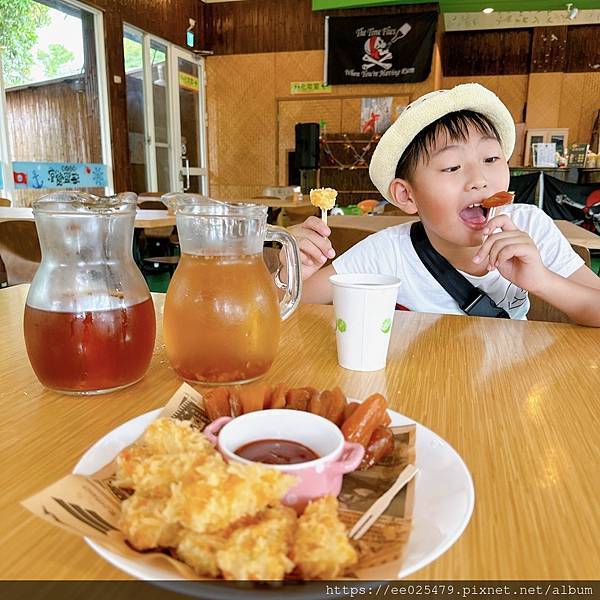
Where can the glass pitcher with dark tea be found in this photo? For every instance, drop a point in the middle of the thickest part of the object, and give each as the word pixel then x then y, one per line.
pixel 89 319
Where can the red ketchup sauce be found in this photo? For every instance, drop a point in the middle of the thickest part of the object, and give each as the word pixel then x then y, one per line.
pixel 276 452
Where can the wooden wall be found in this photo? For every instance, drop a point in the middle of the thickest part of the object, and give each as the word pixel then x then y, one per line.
pixel 68 120
pixel 260 26
pixel 516 51
pixel 501 52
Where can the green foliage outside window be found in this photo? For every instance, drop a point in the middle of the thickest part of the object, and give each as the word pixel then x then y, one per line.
pixel 19 22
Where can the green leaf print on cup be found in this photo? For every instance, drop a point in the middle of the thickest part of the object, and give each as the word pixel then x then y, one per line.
pixel 386 326
pixel 341 325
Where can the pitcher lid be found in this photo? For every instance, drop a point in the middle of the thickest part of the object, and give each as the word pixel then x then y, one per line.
pixel 198 204
pixel 85 203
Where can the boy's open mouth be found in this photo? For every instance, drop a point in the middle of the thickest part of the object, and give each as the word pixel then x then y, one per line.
pixel 474 216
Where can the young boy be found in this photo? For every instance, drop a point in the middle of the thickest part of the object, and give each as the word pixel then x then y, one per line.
pixel 443 156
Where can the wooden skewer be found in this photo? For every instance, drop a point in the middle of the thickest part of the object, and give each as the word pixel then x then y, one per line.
pixel 491 215
pixel 324 215
pixel 376 509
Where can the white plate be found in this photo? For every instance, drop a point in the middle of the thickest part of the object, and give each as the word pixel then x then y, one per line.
pixel 444 499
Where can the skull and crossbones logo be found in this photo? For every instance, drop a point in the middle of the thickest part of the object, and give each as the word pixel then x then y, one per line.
pixel 376 53
pixel 377 50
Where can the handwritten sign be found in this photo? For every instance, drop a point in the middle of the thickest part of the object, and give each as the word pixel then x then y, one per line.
pixel 188 82
pixel 40 175
pixel 309 87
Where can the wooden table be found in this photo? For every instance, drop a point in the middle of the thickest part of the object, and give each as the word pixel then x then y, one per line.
pixel 576 235
pixel 518 400
pixel 143 218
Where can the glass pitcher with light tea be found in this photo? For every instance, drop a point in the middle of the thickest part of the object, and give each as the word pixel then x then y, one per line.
pixel 222 315
pixel 89 318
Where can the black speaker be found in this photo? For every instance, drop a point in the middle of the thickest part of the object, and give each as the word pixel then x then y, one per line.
pixel 307 146
pixel 293 172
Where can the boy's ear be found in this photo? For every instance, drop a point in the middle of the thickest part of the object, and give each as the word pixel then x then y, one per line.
pixel 402 196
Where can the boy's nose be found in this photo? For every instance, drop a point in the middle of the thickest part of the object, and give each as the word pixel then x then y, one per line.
pixel 480 184
pixel 475 181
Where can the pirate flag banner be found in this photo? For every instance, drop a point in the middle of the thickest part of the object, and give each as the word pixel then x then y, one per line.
pixel 379 49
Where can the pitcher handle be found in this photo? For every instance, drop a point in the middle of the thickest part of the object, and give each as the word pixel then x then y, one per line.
pixel 293 287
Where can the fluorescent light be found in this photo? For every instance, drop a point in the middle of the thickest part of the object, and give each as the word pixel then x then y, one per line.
pixel 488 11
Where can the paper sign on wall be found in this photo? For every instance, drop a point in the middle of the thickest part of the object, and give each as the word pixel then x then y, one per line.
pixel 309 87
pixel 188 82
pixel 39 175
pixel 544 155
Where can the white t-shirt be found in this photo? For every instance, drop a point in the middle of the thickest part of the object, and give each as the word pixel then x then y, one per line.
pixel 391 252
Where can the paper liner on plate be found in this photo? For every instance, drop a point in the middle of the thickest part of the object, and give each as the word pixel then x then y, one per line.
pixel 89 506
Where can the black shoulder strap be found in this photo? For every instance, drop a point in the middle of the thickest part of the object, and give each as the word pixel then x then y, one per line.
pixel 470 299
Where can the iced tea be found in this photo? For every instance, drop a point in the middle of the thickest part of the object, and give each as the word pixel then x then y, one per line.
pixel 90 351
pixel 221 319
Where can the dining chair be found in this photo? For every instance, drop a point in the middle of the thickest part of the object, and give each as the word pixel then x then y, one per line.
pixel 343 238
pixel 20 250
pixel 157 244
pixel 540 310
pixel 295 215
pixel 3 276
pixel 390 210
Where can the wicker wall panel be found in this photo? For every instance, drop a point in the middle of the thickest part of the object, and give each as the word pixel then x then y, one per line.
pixel 255 88
pixel 350 114
pixel 543 100
pixel 296 66
pixel 512 90
pixel 579 103
pixel 241 122
pixel 570 106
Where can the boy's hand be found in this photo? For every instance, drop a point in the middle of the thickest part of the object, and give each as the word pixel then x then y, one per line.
pixel 513 253
pixel 313 243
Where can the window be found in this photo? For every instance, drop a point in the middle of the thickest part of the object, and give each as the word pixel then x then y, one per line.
pixel 55 133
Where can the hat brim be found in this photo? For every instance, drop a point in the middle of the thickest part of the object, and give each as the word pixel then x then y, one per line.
pixel 427 109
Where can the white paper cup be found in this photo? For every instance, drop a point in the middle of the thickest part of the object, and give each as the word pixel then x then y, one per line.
pixel 364 307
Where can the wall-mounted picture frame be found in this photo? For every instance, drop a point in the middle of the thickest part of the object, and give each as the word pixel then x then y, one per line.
pixel 560 137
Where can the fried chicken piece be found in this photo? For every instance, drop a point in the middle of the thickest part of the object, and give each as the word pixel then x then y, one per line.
pixel 143 523
pixel 260 551
pixel 209 499
pixel 199 551
pixel 168 436
pixel 321 549
pixel 128 461
pixel 155 475
pixel 324 198
pixel 153 463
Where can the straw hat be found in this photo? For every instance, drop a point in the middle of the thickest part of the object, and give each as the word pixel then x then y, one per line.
pixel 427 109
